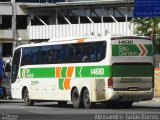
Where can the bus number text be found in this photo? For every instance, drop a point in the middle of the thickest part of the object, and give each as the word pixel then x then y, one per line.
pixel 126 42
pixel 97 71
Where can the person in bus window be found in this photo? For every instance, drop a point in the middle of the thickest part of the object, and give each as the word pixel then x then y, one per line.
pixel 85 58
pixel 86 52
pixel 93 55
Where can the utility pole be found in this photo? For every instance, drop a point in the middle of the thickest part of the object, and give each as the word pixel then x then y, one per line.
pixel 14 30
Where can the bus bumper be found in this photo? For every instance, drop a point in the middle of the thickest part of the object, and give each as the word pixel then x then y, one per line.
pixel 133 96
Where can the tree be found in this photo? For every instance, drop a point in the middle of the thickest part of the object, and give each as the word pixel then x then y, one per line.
pixel 149 27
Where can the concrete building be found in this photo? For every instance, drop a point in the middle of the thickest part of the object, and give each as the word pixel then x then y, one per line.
pixel 23 21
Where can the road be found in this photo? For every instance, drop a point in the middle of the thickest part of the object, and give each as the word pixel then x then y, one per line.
pixel 16 110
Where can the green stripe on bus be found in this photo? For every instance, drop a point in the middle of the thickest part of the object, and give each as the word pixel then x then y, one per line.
pixel 90 71
pixel 37 72
pixel 85 71
pixel 61 83
pixel 93 71
pixel 63 72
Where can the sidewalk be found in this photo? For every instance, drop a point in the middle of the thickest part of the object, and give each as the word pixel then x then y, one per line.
pixel 156 99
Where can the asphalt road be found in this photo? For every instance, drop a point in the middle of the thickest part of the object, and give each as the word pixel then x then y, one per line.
pixel 16 110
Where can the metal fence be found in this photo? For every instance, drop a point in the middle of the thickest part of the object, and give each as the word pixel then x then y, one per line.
pixel 67 30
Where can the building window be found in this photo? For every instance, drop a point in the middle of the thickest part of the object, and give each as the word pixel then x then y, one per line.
pixel 7 49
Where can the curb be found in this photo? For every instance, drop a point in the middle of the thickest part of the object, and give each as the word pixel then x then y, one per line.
pixel 156 99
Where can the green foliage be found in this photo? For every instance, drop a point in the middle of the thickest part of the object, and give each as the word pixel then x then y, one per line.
pixel 149 27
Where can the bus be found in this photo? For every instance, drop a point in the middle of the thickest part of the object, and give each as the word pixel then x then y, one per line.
pixel 114 70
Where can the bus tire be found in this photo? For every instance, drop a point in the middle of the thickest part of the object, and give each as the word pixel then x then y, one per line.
pixel 26 98
pixel 76 98
pixel 86 100
pixel 62 103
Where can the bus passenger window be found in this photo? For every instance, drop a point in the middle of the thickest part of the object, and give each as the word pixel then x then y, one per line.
pixel 30 58
pixel 34 62
pixel 25 57
pixel 43 57
pixel 93 55
pixel 79 54
pixel 85 53
pixel 35 55
pixel 66 55
pixel 39 56
pixel 59 56
pixel 101 51
pixel 72 55
pixel 50 57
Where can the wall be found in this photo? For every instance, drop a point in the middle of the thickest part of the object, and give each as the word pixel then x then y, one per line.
pixel 157 82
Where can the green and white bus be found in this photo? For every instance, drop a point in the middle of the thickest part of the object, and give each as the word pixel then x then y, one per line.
pixel 84 70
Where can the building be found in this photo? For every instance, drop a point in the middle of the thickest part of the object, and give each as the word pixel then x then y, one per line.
pixel 23 21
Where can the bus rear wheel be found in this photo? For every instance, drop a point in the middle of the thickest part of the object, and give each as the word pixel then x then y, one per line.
pixel 86 100
pixel 26 98
pixel 76 98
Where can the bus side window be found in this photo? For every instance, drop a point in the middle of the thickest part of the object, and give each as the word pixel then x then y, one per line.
pixel 54 56
pixel 44 55
pixel 101 51
pixel 30 58
pixel 25 58
pixel 79 54
pixel 39 56
pixel 59 56
pixel 72 54
pixel 85 53
pixel 35 55
pixel 50 56
pixel 93 53
pixel 66 54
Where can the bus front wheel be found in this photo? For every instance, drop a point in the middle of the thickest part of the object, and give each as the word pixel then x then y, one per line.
pixel 26 98
pixel 76 98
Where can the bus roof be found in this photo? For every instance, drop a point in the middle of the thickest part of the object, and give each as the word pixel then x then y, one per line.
pixel 65 40
pixel 75 39
pixel 130 37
